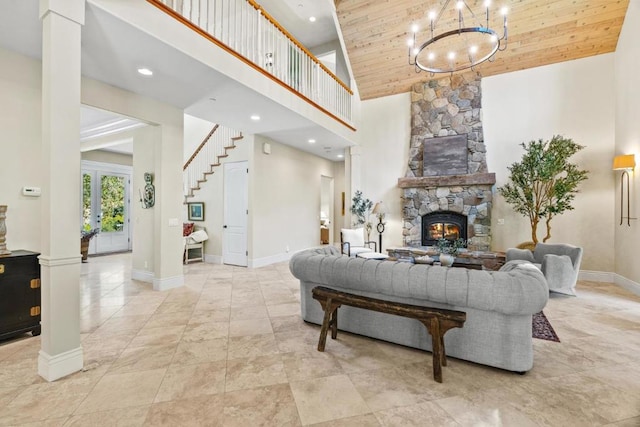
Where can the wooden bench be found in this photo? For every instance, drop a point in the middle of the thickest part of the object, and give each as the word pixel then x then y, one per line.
pixel 437 320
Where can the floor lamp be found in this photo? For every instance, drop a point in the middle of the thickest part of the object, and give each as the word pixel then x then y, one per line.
pixel 379 211
pixel 625 163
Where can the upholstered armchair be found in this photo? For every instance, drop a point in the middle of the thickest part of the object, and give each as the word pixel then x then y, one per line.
pixel 352 242
pixel 560 264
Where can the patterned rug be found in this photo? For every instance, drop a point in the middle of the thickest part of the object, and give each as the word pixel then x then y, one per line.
pixel 542 329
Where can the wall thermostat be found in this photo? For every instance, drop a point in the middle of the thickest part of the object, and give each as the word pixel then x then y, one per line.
pixel 31 191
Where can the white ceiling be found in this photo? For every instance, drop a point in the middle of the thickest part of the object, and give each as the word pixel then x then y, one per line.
pixel 113 50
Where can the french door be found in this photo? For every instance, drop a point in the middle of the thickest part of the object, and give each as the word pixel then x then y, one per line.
pixel 106 206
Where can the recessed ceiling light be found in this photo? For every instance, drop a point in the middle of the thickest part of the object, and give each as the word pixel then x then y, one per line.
pixel 145 71
pixel 255 117
pixel 312 19
pixel 340 156
pixel 312 141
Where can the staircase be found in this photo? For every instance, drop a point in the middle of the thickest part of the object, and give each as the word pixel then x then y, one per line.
pixel 206 157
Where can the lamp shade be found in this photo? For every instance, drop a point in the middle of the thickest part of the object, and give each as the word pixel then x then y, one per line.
pixel 624 161
pixel 379 209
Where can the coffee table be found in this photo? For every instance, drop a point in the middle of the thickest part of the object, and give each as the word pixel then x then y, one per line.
pixel 475 260
pixel 372 255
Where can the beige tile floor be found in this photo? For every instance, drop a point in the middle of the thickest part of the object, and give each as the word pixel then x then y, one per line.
pixel 230 349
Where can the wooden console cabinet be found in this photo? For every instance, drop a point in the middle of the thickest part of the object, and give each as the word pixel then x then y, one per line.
pixel 19 294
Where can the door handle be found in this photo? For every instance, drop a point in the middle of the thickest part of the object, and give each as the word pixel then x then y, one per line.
pixel 224 226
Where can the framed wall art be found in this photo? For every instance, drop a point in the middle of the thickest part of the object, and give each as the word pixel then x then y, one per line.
pixel 195 211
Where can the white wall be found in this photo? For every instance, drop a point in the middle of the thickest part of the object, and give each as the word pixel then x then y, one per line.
pixel 284 207
pixel 20 148
pixel 385 130
pixel 195 130
pixel 627 63
pixel 574 99
pixel 211 193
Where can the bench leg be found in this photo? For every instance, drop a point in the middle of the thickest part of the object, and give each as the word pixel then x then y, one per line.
pixel 330 320
pixel 437 344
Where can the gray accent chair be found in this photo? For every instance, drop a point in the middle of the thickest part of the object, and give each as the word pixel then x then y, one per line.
pixel 559 262
pixel 498 304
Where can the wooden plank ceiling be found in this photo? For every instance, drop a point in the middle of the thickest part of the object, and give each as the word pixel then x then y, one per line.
pixel 541 32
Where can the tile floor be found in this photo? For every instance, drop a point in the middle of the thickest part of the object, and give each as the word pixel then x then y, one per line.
pixel 230 349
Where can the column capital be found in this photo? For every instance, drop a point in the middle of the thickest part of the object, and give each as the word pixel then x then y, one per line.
pixel 70 9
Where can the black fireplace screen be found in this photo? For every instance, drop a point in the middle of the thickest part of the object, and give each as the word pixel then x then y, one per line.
pixel 447 225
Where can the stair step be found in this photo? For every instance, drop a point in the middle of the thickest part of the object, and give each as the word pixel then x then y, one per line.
pixel 215 164
pixel 208 173
pixel 223 155
pixel 237 138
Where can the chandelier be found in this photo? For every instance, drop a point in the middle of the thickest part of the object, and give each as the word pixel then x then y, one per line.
pixel 457 48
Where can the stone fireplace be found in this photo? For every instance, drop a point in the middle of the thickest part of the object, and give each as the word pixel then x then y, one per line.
pixel 447 190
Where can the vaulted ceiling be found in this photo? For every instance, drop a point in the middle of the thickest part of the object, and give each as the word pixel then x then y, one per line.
pixel 541 32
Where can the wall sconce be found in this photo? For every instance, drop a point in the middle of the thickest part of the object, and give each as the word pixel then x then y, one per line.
pixel 625 163
pixel 269 59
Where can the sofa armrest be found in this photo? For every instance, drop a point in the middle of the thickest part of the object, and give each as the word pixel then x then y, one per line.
pixel 520 254
pixel 560 274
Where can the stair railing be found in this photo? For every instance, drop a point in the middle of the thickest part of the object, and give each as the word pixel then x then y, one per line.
pixel 207 156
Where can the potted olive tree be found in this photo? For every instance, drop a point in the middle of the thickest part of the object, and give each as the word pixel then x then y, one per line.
pixel 544 183
pixel 85 238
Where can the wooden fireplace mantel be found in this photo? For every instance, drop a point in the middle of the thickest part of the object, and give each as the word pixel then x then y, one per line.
pixel 448 180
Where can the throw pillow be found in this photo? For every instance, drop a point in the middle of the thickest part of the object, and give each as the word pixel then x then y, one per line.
pixel 355 236
pixel 187 228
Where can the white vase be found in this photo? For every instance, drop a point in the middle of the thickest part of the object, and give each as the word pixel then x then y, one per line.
pixel 446 260
pixel 3 231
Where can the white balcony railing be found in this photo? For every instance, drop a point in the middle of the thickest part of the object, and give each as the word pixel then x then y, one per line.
pixel 243 27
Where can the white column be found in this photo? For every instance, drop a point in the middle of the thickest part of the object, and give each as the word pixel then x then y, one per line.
pixel 61 353
pixel 168 241
pixel 353 178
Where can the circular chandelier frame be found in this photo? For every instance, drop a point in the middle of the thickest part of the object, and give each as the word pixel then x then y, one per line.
pixel 472 62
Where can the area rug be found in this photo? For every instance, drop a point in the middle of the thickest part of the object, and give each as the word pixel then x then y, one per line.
pixel 542 329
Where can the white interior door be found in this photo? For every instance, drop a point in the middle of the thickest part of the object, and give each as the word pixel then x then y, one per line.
pixel 236 205
pixel 106 206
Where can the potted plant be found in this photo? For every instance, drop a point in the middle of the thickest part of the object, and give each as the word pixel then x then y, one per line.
pixel 448 250
pixel 544 183
pixel 361 209
pixel 85 238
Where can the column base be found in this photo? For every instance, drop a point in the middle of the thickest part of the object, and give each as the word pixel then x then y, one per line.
pixel 168 283
pixel 55 367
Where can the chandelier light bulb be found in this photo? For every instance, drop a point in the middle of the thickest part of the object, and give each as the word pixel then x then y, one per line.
pixel 452 55
pixel 504 11
pixel 410 42
pixel 460 5
pixel 414 28
pixel 416 51
pixel 487 3
pixel 431 56
pixel 432 15
pixel 494 38
pixel 473 49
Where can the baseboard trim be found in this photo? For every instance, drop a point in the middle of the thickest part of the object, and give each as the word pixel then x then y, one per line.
pixel 628 284
pixel 596 276
pixel 168 283
pixel 262 262
pixel 142 275
pixel 212 259
pixel 55 367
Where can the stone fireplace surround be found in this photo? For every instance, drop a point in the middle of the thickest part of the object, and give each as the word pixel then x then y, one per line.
pixel 446 107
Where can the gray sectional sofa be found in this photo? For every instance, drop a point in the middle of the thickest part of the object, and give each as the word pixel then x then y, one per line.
pixel 499 305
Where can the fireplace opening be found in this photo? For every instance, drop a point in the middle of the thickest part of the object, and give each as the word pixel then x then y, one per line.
pixel 439 225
